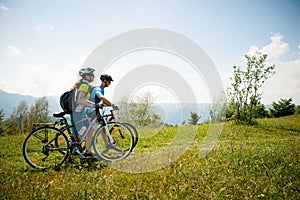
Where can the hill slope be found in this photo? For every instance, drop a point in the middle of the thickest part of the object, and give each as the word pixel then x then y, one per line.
pixel 9 101
pixel 248 162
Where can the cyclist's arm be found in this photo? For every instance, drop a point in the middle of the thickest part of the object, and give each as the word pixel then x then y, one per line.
pixel 97 93
pixel 83 101
pixel 104 100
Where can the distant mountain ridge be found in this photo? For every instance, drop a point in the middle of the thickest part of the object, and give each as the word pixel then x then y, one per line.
pixel 171 113
pixel 176 113
pixel 9 101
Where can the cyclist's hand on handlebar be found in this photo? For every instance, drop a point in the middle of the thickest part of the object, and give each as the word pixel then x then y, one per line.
pixel 114 107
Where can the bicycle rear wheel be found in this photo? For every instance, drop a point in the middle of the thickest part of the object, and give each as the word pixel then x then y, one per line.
pixel 45 147
pixel 122 145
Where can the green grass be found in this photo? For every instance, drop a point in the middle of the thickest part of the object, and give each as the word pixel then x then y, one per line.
pixel 248 162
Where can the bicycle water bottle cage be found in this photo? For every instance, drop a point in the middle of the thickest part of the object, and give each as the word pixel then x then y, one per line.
pixel 60 122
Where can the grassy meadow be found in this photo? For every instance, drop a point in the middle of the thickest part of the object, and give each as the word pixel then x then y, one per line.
pixel 248 162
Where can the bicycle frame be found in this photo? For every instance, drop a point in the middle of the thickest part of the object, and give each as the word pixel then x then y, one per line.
pixel 94 124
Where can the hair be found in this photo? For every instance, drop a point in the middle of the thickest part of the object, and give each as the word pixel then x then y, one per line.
pixel 76 84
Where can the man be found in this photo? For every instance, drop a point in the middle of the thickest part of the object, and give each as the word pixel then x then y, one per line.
pixel 98 92
pixel 97 96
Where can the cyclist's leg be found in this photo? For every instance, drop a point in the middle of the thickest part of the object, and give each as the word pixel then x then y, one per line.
pixel 122 146
pixel 76 138
pixel 89 139
pixel 73 122
pixel 75 117
pixel 104 136
pixel 74 130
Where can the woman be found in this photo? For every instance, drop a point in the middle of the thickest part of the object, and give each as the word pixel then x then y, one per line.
pixel 82 103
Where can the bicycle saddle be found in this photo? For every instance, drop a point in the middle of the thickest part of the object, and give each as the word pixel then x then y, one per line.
pixel 61 114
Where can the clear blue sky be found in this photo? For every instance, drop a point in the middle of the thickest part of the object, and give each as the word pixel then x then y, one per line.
pixel 42 39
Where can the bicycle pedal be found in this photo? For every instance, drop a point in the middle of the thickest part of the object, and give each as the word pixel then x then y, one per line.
pixel 76 151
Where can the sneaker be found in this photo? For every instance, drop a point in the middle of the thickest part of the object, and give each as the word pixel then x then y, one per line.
pixel 106 153
pixel 88 155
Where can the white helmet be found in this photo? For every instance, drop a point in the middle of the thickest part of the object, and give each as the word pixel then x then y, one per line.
pixel 85 71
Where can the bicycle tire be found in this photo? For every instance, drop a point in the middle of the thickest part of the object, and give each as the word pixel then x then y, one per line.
pixel 135 133
pixel 45 147
pixel 122 147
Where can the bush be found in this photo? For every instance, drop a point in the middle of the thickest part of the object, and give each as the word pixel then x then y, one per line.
pixel 284 107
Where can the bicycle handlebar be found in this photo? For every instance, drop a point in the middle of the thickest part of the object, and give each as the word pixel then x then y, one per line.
pixel 113 106
pixel 111 115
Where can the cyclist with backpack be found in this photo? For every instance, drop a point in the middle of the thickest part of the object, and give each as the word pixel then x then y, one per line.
pixel 82 104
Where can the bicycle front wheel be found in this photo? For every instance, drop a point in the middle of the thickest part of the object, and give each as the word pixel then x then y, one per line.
pixel 132 129
pixel 134 132
pixel 45 147
pixel 119 148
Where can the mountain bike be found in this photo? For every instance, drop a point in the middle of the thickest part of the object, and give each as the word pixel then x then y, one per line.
pixel 50 146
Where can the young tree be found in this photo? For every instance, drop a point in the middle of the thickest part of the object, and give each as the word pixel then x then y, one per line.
pixel 260 111
pixel 283 108
pixel 16 123
pixel 217 110
pixel 2 122
pixel 297 109
pixel 139 111
pixel 194 118
pixel 244 93
pixel 38 113
pixel 21 116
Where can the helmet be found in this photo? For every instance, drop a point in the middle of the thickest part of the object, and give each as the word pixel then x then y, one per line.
pixel 85 71
pixel 106 77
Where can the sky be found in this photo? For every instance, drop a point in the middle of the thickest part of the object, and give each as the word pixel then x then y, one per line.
pixel 44 43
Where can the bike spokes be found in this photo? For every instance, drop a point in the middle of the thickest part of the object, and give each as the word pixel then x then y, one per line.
pixel 45 147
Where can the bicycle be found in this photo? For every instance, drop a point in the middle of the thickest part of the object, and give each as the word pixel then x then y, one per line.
pixel 49 147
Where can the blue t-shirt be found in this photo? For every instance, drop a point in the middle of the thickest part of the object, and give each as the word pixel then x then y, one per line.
pixel 98 90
